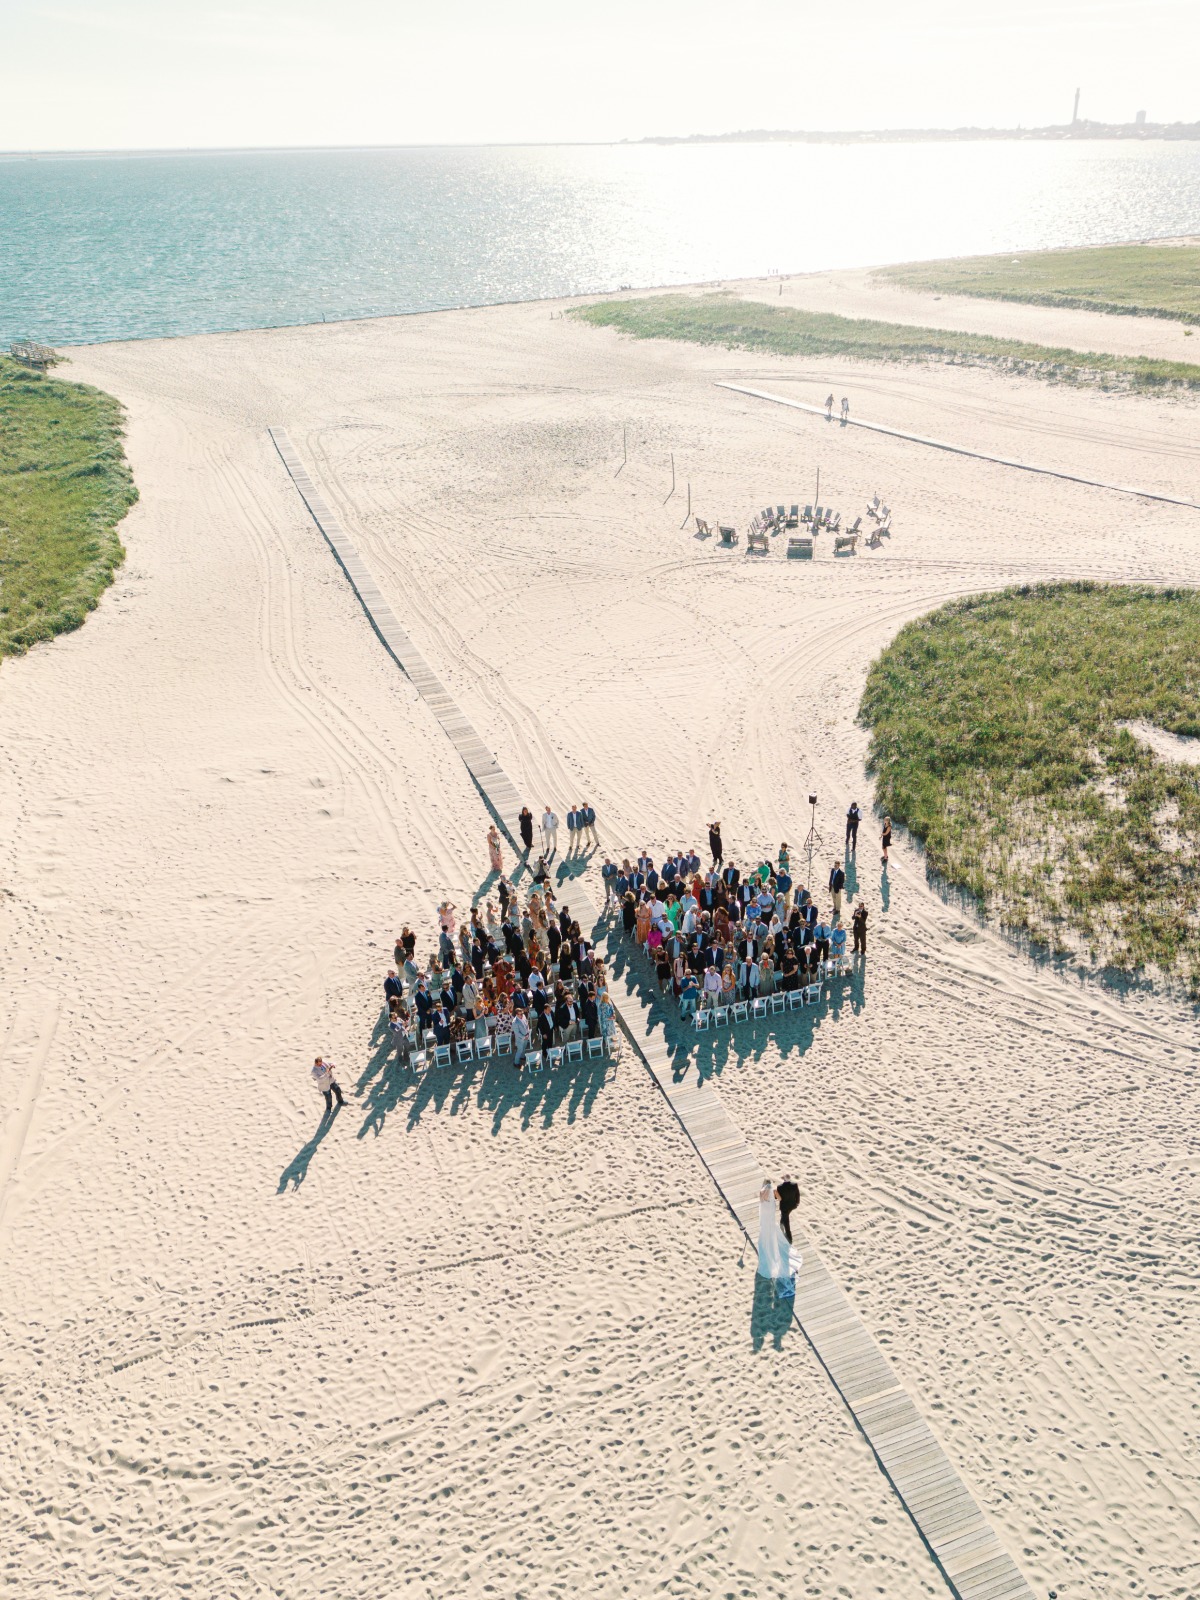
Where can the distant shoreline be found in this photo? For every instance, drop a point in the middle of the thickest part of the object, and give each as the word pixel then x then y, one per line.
pixel 1064 132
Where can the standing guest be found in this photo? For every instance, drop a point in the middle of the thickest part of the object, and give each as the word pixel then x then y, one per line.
pixel 728 986
pixel 608 1015
pixel 609 873
pixel 399 954
pixel 549 833
pixel 783 889
pixel 589 1010
pixel 886 840
pixel 712 986
pixel 837 939
pixel 393 989
pixel 326 1084
pixel 859 922
pixel 440 1022
pixel 423 1001
pixel 663 970
pixel 505 894
pixel 714 843
pixel 853 818
pixel 520 1037
pixel 821 937
pixel 629 913
pixel 525 824
pixel 785 860
pixel 493 844
pixel 589 823
pixel 572 830
pixel 749 975
pixel 837 882
pixel 731 877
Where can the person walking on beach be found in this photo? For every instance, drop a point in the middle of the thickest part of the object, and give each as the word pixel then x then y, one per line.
pixel 829 409
pixel 714 843
pixel 493 844
pixel 788 1195
pixel 549 833
pixel 588 824
pixel 845 409
pixel 525 823
pixel 837 882
pixel 853 818
pixel 859 924
pixel 885 840
pixel 326 1084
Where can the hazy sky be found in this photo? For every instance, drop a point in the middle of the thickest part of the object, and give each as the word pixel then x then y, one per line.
pixel 110 74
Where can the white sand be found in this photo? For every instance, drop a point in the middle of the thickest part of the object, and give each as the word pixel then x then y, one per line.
pixel 497 1340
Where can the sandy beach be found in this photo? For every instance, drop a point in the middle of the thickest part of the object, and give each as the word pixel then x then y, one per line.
pixel 478 1341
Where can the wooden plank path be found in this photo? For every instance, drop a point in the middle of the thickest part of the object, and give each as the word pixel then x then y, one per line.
pixel 960 449
pixel 959 1538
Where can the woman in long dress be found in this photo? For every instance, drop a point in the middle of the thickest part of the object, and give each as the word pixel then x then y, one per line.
pixel 776 1257
pixel 493 844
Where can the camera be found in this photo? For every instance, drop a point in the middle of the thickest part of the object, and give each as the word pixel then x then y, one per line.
pixel 812 799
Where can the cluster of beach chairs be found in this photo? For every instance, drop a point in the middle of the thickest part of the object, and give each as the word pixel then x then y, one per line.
pixel 807 524
pixel 705 1018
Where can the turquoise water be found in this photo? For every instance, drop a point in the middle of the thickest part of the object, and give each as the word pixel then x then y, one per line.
pixel 96 248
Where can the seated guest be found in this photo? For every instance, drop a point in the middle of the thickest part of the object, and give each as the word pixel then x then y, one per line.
pixel 837 939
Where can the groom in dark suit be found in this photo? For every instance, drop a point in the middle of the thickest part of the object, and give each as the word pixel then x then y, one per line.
pixel 788 1195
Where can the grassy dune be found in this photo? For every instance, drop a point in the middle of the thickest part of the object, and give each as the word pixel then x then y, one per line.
pixel 1139 280
pixel 720 319
pixel 995 737
pixel 64 487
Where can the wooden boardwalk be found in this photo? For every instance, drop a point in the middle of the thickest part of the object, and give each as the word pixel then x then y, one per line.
pixel 958 1537
pixel 960 449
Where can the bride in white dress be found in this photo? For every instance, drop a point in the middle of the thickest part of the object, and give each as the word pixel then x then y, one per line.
pixel 776 1257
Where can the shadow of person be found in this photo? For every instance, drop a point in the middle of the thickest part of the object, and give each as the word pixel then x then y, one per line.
pixel 297 1168
pixel 771 1313
pixel 885 890
pixel 851 878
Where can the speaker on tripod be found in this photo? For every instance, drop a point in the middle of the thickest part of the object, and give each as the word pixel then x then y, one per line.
pixel 813 840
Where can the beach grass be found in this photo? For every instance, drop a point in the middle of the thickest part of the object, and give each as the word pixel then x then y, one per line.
pixel 1139 280
pixel 721 319
pixel 64 488
pixel 996 738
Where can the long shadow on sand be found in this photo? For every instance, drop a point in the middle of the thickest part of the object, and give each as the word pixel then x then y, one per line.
pixel 388 1085
pixel 772 1315
pixel 788 1033
pixel 297 1168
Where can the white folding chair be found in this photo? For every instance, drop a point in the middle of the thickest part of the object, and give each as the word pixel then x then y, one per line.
pixel 778 1003
pixel 720 1016
pixel 741 1010
pixel 759 1005
pixel 575 1050
pixel 812 994
pixel 595 1047
pixel 486 1046
pixel 700 1021
pixel 504 1044
pixel 554 1056
pixel 613 1044
pixel 442 1056
pixel 795 999
pixel 533 1061
pixel 418 1060
pixel 430 1039
pixel 465 1050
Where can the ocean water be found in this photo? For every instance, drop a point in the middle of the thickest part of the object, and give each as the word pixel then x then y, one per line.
pixel 129 247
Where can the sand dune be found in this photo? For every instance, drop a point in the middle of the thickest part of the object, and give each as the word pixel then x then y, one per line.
pixel 487 1337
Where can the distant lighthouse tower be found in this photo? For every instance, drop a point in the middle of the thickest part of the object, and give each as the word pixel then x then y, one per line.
pixel 1075 113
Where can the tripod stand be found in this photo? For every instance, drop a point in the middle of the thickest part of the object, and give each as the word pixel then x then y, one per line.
pixel 813 841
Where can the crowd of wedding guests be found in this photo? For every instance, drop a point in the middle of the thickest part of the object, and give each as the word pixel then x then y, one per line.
pixel 528 971
pixel 725 934
pixel 714 936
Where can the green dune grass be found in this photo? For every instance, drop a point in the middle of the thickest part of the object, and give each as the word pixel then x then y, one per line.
pixel 64 488
pixel 1140 280
pixel 996 739
pixel 720 319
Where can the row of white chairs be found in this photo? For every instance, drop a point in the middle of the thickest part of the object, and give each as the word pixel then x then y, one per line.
pixel 764 1005
pixel 465 1051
